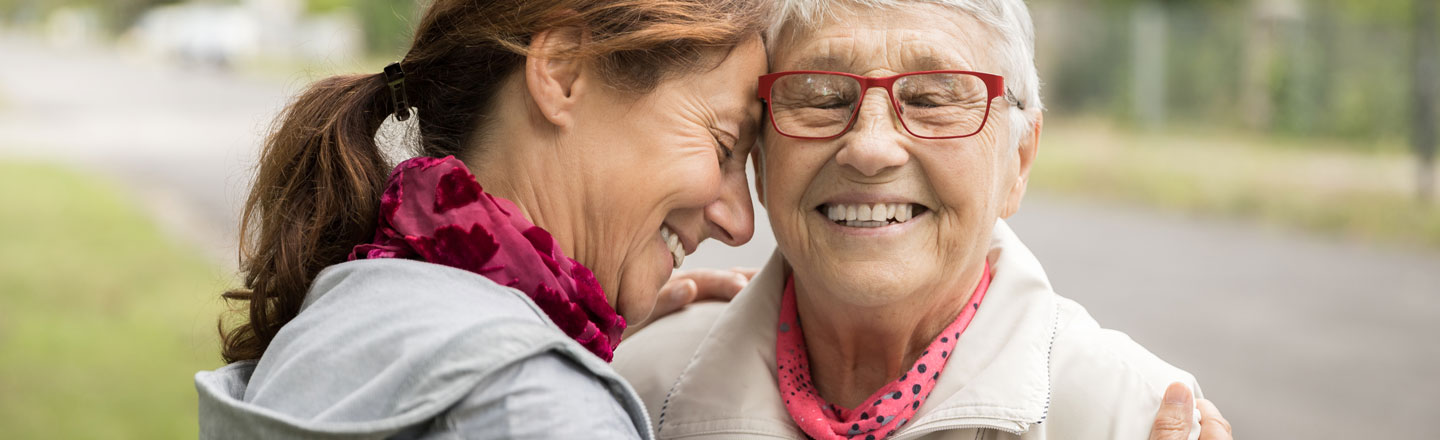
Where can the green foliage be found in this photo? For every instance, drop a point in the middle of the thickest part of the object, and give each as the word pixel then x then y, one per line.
pixel 320 6
pixel 388 24
pixel 117 15
pixel 1292 183
pixel 103 320
pixel 1340 68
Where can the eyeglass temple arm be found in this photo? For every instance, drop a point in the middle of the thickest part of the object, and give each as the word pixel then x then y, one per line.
pixel 1010 96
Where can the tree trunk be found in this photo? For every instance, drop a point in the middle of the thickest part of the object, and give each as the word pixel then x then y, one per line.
pixel 1148 95
pixel 1426 90
pixel 1255 99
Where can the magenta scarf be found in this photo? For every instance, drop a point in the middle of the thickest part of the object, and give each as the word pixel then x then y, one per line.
pixel 433 210
pixel 885 411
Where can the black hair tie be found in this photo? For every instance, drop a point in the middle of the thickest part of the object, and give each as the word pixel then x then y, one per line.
pixel 395 80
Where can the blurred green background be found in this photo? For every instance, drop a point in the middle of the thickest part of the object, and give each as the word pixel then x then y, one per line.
pixel 100 313
pixel 1307 115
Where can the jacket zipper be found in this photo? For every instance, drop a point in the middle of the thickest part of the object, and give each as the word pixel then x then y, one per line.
pixel 649 433
pixel 932 427
pixel 928 428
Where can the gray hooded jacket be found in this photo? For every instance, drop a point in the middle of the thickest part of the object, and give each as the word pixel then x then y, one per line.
pixel 393 348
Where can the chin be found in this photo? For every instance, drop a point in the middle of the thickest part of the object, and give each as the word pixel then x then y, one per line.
pixel 635 310
pixel 870 283
pixel 635 301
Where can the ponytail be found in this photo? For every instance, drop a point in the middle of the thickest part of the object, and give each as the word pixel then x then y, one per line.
pixel 315 196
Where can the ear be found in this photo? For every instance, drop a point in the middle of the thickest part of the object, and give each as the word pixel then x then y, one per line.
pixel 1028 148
pixel 554 81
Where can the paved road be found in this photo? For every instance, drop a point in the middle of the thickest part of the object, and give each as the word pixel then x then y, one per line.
pixel 1296 337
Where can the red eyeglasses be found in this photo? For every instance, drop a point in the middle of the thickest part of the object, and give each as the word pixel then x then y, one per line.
pixel 937 104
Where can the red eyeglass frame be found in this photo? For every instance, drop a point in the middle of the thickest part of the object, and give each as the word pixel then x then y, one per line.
pixel 994 88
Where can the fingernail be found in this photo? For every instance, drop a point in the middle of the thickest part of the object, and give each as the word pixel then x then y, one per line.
pixel 1175 394
pixel 680 292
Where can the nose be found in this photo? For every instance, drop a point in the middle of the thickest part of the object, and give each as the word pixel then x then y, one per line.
pixel 873 144
pixel 731 217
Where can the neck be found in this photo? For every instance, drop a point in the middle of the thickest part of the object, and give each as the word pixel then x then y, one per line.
pixel 520 162
pixel 855 351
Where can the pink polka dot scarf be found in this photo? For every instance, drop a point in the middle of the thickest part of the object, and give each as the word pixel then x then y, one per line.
pixel 433 210
pixel 885 411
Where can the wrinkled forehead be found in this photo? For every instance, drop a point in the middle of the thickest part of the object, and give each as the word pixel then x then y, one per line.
pixel 867 40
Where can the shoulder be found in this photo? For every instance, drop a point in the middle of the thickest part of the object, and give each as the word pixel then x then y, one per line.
pixel 405 339
pixel 384 311
pixel 398 285
pixel 654 357
pixel 398 308
pixel 1104 384
pixel 545 396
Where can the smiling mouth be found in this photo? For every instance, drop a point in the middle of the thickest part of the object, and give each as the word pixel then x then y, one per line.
pixel 871 215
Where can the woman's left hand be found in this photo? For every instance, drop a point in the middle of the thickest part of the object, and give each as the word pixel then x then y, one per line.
pixel 695 285
pixel 1172 422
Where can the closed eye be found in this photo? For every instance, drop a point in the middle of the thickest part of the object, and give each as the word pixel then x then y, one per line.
pixel 729 152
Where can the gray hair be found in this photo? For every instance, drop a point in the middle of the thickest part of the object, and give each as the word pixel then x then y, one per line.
pixel 1010 18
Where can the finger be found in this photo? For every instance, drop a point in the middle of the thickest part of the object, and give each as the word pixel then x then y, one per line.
pixel 681 291
pixel 675 294
pixel 715 284
pixel 1213 426
pixel 684 293
pixel 1172 422
pixel 748 272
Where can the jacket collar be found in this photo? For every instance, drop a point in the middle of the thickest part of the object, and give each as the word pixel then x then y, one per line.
pixel 998 377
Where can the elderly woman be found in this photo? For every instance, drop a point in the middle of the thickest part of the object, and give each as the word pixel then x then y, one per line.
pixel 899 304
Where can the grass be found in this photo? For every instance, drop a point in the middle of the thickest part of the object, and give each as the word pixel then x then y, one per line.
pixel 103 318
pixel 1292 183
pixel 311 70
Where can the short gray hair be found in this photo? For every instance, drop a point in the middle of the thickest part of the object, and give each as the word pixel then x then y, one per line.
pixel 1009 18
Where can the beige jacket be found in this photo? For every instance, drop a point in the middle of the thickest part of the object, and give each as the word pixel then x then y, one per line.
pixel 1032 365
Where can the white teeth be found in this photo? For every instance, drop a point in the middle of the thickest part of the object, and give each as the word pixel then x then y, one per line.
pixel 869 215
pixel 672 241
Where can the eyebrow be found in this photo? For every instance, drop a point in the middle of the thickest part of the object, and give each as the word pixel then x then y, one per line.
pixel 931 62
pixel 829 63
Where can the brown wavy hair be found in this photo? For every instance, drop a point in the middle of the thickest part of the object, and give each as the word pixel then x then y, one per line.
pixel 317 190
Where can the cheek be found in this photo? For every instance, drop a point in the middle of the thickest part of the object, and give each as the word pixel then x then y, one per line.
pixel 789 172
pixel 667 172
pixel 966 186
pixel 964 173
pixel 685 182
